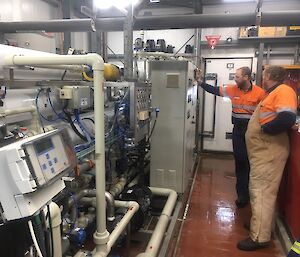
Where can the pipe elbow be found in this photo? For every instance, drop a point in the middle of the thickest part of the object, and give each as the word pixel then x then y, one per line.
pixel 110 201
pixel 55 215
pixel 96 61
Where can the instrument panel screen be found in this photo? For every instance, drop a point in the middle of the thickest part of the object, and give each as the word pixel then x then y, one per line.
pixel 43 146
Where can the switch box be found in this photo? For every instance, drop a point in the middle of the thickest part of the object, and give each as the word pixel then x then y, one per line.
pixel 80 97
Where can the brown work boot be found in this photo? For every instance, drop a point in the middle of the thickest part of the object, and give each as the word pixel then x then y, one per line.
pixel 250 245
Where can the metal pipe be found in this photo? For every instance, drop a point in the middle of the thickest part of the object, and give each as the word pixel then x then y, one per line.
pixel 47 26
pixel 195 21
pixel 161 226
pixel 87 195
pixel 278 18
pixel 259 64
pixel 128 42
pixel 101 235
pixel 117 188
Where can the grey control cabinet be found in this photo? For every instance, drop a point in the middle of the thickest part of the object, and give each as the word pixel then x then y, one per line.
pixel 173 139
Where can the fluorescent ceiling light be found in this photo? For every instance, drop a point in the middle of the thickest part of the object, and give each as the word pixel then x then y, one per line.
pixel 105 4
pixel 237 1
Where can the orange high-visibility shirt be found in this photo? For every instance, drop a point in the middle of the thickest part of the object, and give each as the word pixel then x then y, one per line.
pixel 282 99
pixel 243 102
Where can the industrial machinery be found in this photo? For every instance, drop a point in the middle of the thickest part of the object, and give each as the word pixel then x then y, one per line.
pixel 50 154
pixel 31 173
pixel 173 140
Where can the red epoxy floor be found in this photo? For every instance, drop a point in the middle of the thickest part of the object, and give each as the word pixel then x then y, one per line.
pixel 213 224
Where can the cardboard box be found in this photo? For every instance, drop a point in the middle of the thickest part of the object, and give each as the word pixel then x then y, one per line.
pixel 293 31
pixel 266 32
pixel 250 31
pixel 280 31
pixel 243 32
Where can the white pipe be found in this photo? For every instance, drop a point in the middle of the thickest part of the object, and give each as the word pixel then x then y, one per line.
pixel 34 239
pixel 9 112
pixel 101 235
pixel 73 68
pixel 132 208
pixel 5 50
pixel 35 127
pixel 161 226
pixel 55 226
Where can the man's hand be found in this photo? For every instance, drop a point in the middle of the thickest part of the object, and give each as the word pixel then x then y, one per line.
pixel 295 127
pixel 198 75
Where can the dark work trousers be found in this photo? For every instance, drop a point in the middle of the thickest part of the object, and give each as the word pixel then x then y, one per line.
pixel 242 166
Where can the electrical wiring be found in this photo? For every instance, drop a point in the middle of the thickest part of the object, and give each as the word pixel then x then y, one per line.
pixel 82 127
pixel 153 127
pixel 59 115
pixel 38 109
pixel 50 227
pixel 34 239
pixel 90 119
pixel 70 121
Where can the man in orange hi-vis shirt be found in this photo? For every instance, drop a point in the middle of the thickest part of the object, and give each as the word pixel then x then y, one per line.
pixel 268 149
pixel 244 98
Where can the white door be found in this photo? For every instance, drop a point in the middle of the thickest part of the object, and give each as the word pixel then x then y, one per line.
pixel 217 125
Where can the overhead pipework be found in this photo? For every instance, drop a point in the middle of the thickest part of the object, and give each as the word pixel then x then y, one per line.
pixel 272 18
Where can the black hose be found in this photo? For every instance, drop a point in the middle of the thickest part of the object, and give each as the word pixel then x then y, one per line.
pixel 70 121
pixel 50 227
pixel 46 233
pixel 90 119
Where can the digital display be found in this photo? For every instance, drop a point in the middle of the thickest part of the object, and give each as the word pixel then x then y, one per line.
pixel 43 145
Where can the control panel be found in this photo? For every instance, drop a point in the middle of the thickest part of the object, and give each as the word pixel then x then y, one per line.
pixel 48 157
pixel 139 109
pixel 31 172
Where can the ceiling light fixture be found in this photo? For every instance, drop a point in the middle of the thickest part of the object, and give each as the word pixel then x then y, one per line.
pixel 120 4
pixel 237 1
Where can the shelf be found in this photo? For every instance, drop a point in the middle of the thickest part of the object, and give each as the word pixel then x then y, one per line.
pixel 288 67
pixel 271 39
pixel 291 67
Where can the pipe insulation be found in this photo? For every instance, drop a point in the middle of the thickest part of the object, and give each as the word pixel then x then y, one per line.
pixel 272 18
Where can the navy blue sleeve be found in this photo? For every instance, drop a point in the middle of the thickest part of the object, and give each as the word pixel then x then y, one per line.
pixel 209 88
pixel 283 122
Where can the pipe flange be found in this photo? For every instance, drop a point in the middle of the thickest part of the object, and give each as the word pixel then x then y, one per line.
pixel 101 238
